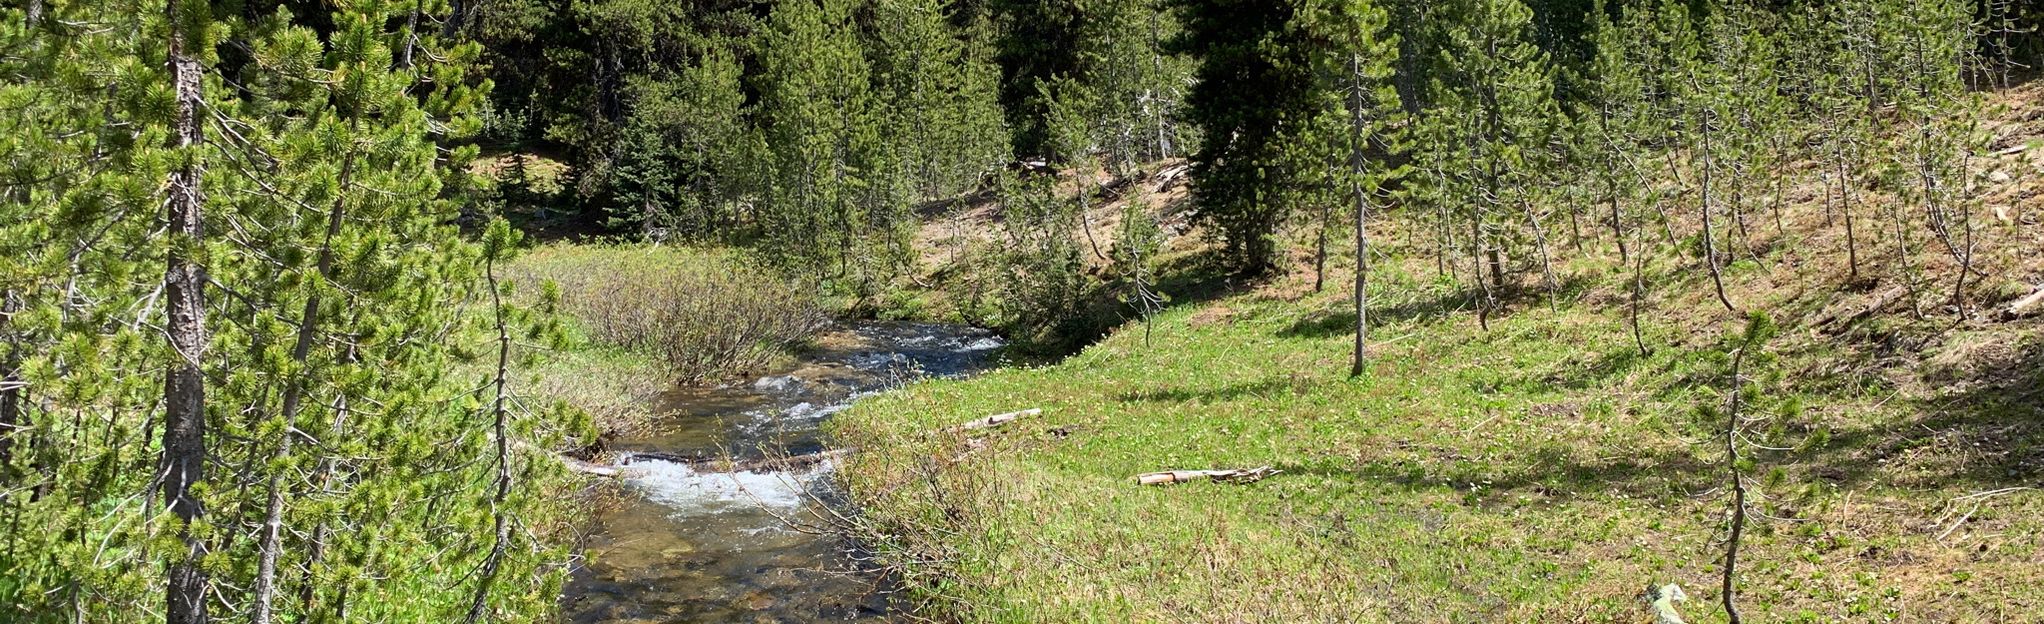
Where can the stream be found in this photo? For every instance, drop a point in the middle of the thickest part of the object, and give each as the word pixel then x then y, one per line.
pixel 701 546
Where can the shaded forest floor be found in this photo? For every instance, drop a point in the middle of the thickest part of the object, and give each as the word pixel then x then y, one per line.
pixel 1538 470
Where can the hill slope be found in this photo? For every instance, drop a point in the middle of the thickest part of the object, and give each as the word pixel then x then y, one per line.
pixel 1540 470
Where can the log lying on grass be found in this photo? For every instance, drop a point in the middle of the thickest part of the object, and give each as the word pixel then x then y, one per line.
pixel 994 420
pixel 1238 475
pixel 1847 314
pixel 2022 306
pixel 764 464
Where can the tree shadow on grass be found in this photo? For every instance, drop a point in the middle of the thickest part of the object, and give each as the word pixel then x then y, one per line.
pixel 1262 388
pixel 1186 280
pixel 1339 322
pixel 1983 429
pixel 1554 473
pixel 1342 322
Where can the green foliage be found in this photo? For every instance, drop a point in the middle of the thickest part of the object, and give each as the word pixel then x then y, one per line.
pixel 703 316
pixel 1040 286
pixel 328 196
pixel 1255 93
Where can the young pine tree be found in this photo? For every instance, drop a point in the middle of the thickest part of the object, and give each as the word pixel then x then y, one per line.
pixel 1355 58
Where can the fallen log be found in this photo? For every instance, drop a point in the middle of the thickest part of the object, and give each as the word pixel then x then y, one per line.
pixel 994 420
pixel 2021 306
pixel 721 464
pixel 583 467
pixel 572 464
pixel 1237 475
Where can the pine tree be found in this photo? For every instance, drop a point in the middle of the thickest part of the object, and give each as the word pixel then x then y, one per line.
pixel 1493 106
pixel 1254 93
pixel 332 303
pixel 817 116
pixel 1355 59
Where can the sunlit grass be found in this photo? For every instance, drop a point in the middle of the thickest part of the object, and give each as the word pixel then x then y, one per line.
pixel 1539 471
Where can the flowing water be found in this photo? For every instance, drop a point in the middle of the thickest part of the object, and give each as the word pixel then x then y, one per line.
pixel 693 545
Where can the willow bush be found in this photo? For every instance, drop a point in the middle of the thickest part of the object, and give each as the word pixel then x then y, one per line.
pixel 704 315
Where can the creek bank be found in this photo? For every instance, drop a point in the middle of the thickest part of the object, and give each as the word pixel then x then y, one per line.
pixel 701 531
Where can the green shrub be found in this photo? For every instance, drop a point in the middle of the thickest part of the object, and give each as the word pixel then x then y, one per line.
pixel 702 314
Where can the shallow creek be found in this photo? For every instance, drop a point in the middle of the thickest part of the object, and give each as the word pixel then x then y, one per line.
pixel 702 546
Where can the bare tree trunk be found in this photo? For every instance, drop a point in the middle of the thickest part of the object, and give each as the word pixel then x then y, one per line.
pixel 1156 103
pixel 1477 253
pixel 1639 287
pixel 1575 226
pixel 455 14
pixel 184 386
pixel 1445 241
pixel 1738 523
pixel 1611 187
pixel 10 380
pixel 1845 211
pixel 404 56
pixel 487 576
pixel 1546 260
pixel 1710 247
pixel 1320 249
pixel 1617 223
pixel 316 549
pixel 1086 213
pixel 1357 165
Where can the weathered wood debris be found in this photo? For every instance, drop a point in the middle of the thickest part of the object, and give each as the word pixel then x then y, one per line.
pixel 994 420
pixel 1236 475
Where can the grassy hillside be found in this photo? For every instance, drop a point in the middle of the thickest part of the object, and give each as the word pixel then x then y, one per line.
pixel 1540 470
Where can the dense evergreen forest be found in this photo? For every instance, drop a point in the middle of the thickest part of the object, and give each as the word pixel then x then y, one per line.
pixel 258 343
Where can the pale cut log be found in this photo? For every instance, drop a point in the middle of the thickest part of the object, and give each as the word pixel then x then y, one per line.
pixel 572 464
pixel 995 420
pixel 1234 475
pixel 2024 304
pixel 583 467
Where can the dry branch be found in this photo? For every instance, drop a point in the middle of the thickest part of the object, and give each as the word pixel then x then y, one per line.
pixel 1235 475
pixel 994 420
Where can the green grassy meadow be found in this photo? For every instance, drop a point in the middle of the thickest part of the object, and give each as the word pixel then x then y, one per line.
pixel 1539 471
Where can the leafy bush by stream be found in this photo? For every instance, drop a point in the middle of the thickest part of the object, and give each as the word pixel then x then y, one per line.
pixel 702 314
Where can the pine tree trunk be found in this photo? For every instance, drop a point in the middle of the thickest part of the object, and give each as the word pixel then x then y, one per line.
pixel 1738 522
pixel 294 393
pixel 1710 247
pixel 1357 164
pixel 10 381
pixel 1320 249
pixel 1639 287
pixel 184 387
pixel 487 575
pixel 404 57
pixel 1845 211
